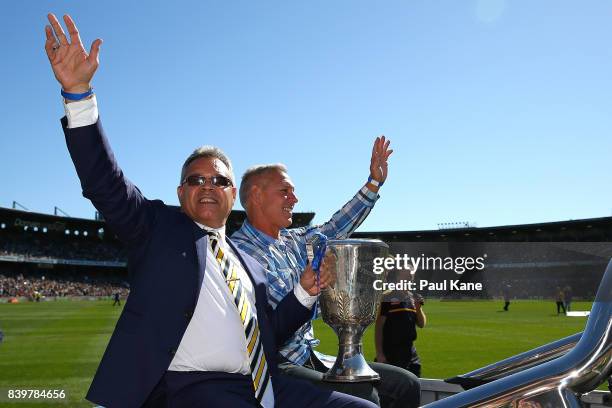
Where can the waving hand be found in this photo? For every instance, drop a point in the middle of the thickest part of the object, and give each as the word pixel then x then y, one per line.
pixel 380 155
pixel 71 64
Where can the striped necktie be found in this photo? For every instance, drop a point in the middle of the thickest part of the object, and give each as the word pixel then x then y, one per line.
pixel 248 316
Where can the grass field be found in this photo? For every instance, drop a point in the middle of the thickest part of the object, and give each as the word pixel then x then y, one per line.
pixel 58 345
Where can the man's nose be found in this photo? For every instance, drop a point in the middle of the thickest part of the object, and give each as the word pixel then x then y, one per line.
pixel 208 184
pixel 293 198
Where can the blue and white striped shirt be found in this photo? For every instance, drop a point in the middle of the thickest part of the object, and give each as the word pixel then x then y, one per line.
pixel 285 258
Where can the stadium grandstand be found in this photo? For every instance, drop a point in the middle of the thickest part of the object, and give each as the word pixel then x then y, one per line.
pixel 45 256
pixel 50 256
pixel 531 259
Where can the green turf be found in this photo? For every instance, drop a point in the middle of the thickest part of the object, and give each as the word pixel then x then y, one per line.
pixel 53 345
pixel 58 345
pixel 462 336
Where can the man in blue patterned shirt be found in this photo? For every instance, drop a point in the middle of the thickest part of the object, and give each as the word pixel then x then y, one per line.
pixel 267 194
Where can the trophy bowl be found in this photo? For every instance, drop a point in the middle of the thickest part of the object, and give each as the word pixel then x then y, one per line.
pixel 350 305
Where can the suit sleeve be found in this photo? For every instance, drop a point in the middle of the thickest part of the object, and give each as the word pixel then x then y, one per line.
pixel 127 212
pixel 287 318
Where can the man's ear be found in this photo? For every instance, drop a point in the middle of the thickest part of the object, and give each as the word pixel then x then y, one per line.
pixel 256 194
pixel 179 193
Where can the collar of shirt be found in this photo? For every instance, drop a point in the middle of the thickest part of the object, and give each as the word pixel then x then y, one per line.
pixel 264 238
pixel 220 231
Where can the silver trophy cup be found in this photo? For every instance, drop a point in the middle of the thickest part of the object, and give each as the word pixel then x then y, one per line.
pixel 350 305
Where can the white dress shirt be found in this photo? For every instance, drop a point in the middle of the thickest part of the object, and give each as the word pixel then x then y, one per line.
pixel 215 339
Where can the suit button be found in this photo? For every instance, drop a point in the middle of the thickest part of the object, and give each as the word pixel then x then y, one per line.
pixel 188 315
pixel 172 351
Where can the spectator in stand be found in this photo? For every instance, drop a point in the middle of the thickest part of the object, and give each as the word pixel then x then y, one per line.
pixel 57 284
pixel 37 245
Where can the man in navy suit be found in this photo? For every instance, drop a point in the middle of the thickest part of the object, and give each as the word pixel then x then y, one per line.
pixel 196 329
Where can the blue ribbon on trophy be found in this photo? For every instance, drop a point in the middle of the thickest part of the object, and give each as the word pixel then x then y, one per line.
pixel 319 245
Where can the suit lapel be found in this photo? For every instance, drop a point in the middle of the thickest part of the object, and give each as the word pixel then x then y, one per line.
pixel 201 244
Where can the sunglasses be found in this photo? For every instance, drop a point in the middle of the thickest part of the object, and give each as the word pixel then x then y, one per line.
pixel 217 181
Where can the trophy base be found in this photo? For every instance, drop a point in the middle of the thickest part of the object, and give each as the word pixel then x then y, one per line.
pixel 351 369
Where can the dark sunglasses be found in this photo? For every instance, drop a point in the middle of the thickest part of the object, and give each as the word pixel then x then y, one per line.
pixel 217 181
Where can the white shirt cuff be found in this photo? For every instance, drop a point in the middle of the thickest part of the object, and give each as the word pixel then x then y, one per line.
pixel 81 113
pixel 303 297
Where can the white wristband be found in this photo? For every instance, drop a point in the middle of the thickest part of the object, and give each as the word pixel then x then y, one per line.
pixel 375 183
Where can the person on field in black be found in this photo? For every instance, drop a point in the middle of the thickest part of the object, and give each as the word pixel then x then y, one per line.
pixel 560 299
pixel 395 331
pixel 506 294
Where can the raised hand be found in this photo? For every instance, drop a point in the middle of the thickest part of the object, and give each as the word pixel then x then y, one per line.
pixel 71 64
pixel 378 163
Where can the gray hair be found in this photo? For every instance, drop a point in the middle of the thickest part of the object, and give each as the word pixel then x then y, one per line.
pixel 251 176
pixel 207 152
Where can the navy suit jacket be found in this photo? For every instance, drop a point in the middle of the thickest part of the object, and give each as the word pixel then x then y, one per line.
pixel 167 260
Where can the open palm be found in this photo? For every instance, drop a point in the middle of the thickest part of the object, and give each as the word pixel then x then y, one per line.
pixel 71 64
pixel 380 156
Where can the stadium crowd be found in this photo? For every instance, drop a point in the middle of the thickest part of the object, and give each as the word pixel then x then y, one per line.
pixel 32 246
pixel 56 284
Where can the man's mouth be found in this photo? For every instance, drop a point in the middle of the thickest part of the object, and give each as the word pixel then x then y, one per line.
pixel 288 210
pixel 207 200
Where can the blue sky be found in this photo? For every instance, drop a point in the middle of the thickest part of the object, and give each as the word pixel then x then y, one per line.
pixel 499 111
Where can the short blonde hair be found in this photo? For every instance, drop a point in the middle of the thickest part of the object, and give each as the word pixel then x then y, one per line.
pixel 252 175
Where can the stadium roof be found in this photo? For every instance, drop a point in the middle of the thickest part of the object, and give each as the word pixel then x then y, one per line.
pixel 18 218
pixel 589 229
